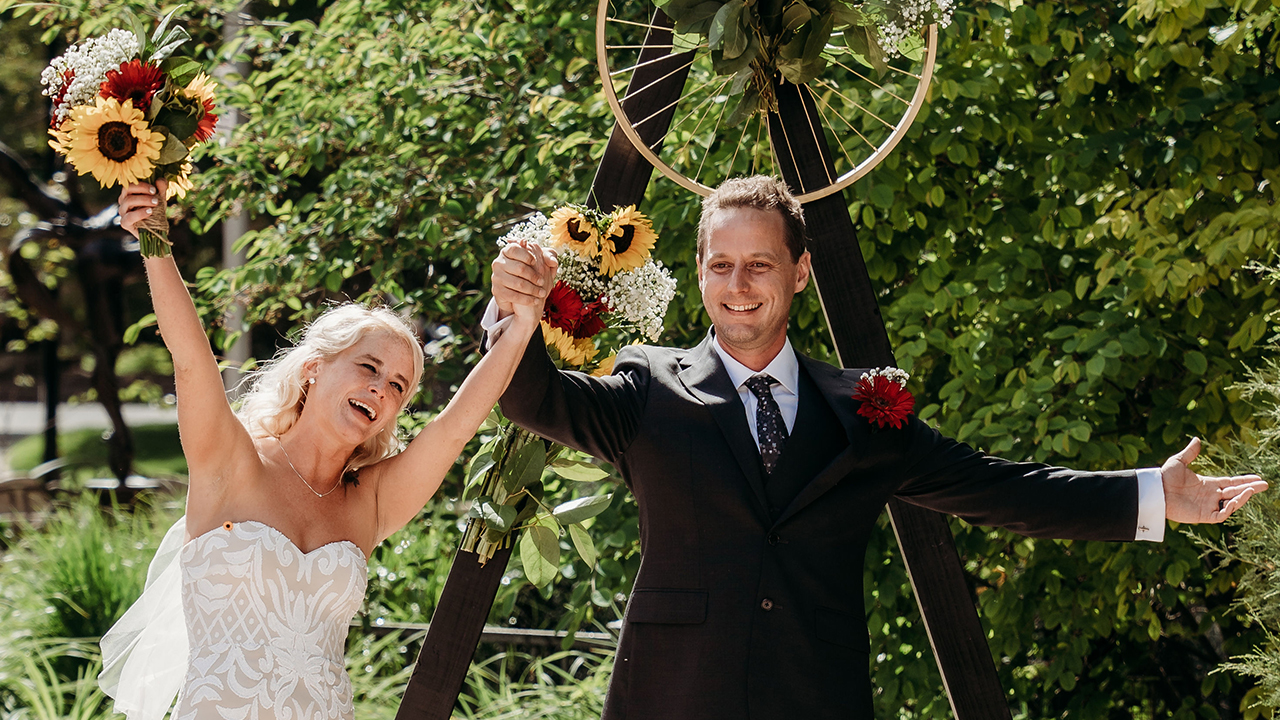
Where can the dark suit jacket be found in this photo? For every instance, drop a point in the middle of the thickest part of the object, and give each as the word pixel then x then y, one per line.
pixel 748 601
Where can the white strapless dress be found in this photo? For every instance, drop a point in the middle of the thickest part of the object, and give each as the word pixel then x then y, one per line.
pixel 267 625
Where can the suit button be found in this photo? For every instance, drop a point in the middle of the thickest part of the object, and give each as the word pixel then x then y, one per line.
pixel 773 538
pixel 766 604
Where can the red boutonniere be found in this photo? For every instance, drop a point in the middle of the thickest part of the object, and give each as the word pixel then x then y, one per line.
pixel 884 397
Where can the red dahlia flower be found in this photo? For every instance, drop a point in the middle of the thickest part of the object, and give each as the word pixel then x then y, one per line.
pixel 67 77
pixel 208 123
pixel 590 322
pixel 884 402
pixel 564 308
pixel 135 80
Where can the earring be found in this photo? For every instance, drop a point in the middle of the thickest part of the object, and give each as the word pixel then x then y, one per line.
pixel 311 381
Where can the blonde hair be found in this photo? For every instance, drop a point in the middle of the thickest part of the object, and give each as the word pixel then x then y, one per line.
pixel 278 390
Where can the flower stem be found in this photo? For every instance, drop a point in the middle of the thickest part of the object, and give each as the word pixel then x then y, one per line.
pixel 151 245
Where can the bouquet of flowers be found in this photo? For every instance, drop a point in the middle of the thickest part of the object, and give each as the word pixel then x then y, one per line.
pixel 609 291
pixel 125 110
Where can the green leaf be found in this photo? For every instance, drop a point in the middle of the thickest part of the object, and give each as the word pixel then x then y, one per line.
pixel 725 18
pixel 498 516
pixel 697 19
pixel 179 124
pixel 737 33
pixel 131 333
pixel 480 464
pixel 1196 362
pixel 181 70
pixel 540 553
pixel 173 151
pixel 731 66
pixel 578 470
pixel 575 511
pixel 582 543
pixel 526 467
pixel 796 14
pixel 135 25
pixel 818 38
pixel 176 38
pixel 748 103
pixel 882 195
pixel 164 24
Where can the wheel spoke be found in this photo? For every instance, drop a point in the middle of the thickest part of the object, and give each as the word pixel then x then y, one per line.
pixel 719 119
pixel 846 122
pixel 650 61
pixel 620 21
pixel 817 141
pixel 873 82
pixel 630 95
pixel 688 97
pixel 660 47
pixel 834 89
pixel 826 123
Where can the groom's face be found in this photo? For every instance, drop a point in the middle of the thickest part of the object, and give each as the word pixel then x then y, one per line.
pixel 747 278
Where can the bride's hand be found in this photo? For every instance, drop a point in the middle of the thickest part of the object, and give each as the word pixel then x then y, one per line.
pixel 543 262
pixel 139 200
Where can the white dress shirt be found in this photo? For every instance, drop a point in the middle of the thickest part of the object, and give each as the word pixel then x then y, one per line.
pixel 785 368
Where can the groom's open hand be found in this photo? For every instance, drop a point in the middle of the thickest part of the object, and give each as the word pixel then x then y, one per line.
pixel 1192 498
pixel 523 275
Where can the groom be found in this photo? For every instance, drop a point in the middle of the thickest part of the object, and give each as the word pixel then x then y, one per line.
pixel 758 484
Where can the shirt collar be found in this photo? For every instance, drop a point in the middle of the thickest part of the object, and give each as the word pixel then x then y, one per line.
pixel 784 367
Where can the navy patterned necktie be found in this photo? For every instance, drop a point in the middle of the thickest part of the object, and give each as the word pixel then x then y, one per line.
pixel 770 428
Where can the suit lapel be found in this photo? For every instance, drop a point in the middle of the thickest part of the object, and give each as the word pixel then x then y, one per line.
pixel 704 376
pixel 837 390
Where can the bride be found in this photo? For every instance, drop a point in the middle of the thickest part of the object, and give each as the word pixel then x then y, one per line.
pixel 287 499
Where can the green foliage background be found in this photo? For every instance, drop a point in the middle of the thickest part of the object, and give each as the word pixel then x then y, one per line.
pixel 1061 243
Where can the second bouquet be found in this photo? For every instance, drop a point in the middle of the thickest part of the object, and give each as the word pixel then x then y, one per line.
pixel 609 292
pixel 126 110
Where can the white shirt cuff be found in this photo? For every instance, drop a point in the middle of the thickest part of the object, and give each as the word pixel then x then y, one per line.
pixel 1150 505
pixel 491 325
pixel 490 317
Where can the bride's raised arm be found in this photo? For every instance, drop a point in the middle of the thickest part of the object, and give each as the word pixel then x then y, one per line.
pixel 405 482
pixel 212 436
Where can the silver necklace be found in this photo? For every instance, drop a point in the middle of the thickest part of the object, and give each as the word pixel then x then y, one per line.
pixel 304 480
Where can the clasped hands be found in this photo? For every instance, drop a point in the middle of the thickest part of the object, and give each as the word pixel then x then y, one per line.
pixel 523 275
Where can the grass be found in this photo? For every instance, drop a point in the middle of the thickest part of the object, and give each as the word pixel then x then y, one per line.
pixel 40 692
pixel 74 577
pixel 157 451
pixel 568 685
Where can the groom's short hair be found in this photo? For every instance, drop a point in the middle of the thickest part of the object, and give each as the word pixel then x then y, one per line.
pixel 759 192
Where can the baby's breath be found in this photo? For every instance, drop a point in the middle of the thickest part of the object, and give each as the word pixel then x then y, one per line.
pixel 906 17
pixel 88 63
pixel 640 297
pixel 889 373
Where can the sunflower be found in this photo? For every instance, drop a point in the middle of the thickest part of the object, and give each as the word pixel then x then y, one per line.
pixel 111 140
pixel 572 351
pixel 571 228
pixel 201 88
pixel 135 80
pixel 627 242
pixel 178 186
pixel 606 367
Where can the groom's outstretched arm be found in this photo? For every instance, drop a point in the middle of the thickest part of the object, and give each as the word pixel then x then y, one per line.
pixel 599 416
